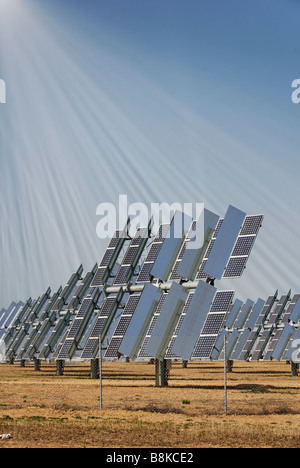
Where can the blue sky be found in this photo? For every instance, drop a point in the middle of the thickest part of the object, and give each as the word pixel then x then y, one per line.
pixel 169 100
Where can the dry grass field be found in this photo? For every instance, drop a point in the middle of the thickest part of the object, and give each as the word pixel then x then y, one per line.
pixel 40 409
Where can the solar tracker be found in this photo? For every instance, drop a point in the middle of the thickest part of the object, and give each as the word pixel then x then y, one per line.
pixel 244 314
pixel 111 304
pixel 193 320
pixel 255 313
pixel 295 306
pixel 256 328
pixel 225 333
pixel 157 309
pixel 171 246
pixel 5 313
pixel 78 326
pixel 107 311
pixel 241 344
pixel 53 340
pixel 266 333
pixel 234 313
pixel 9 317
pixel 260 346
pixel 284 331
pixel 40 332
pixel 194 253
pixel 142 353
pixel 279 340
pixel 110 258
pixel 82 289
pixel 170 353
pixel 224 243
pixel 219 345
pixel 19 331
pixel 62 312
pixel 231 344
pixel 132 257
pixel 26 326
pixel 247 334
pixel 144 306
pixel 11 332
pixel 292 346
pixel 37 325
pixel 167 320
pixel 66 293
pixel 145 272
pixel 242 248
pixel 214 323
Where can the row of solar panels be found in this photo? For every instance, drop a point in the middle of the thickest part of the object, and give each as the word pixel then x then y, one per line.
pixel 158 316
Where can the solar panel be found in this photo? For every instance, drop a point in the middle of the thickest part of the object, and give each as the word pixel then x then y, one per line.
pixel 243 247
pixel 171 246
pixel 214 323
pixel 135 334
pixel 240 345
pixel 257 318
pixel 66 293
pixel 266 334
pixel 295 313
pixel 292 346
pixel 219 344
pixel 53 340
pixel 132 257
pixel 145 320
pixel 234 312
pixel 59 319
pixel 224 243
pixel 167 321
pixel 192 322
pixel 255 313
pixel 9 318
pixel 30 346
pixel 231 343
pixel 252 225
pixel 104 320
pixel 109 259
pixel 26 325
pixel 244 314
pixel 241 250
pixel 78 326
pixel 278 310
pixel 5 314
pixel 144 274
pixel 278 342
pixel 193 253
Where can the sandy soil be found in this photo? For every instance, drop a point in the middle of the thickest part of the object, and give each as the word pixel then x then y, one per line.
pixel 41 409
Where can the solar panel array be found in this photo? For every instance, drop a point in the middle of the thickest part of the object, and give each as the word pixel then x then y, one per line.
pixel 137 301
pixel 270 332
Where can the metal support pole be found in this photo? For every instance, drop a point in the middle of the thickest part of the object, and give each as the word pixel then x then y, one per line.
pixel 295 368
pixel 225 376
pixel 100 368
pixel 37 365
pixel 60 364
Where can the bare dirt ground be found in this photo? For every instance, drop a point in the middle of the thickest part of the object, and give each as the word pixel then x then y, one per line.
pixel 42 410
